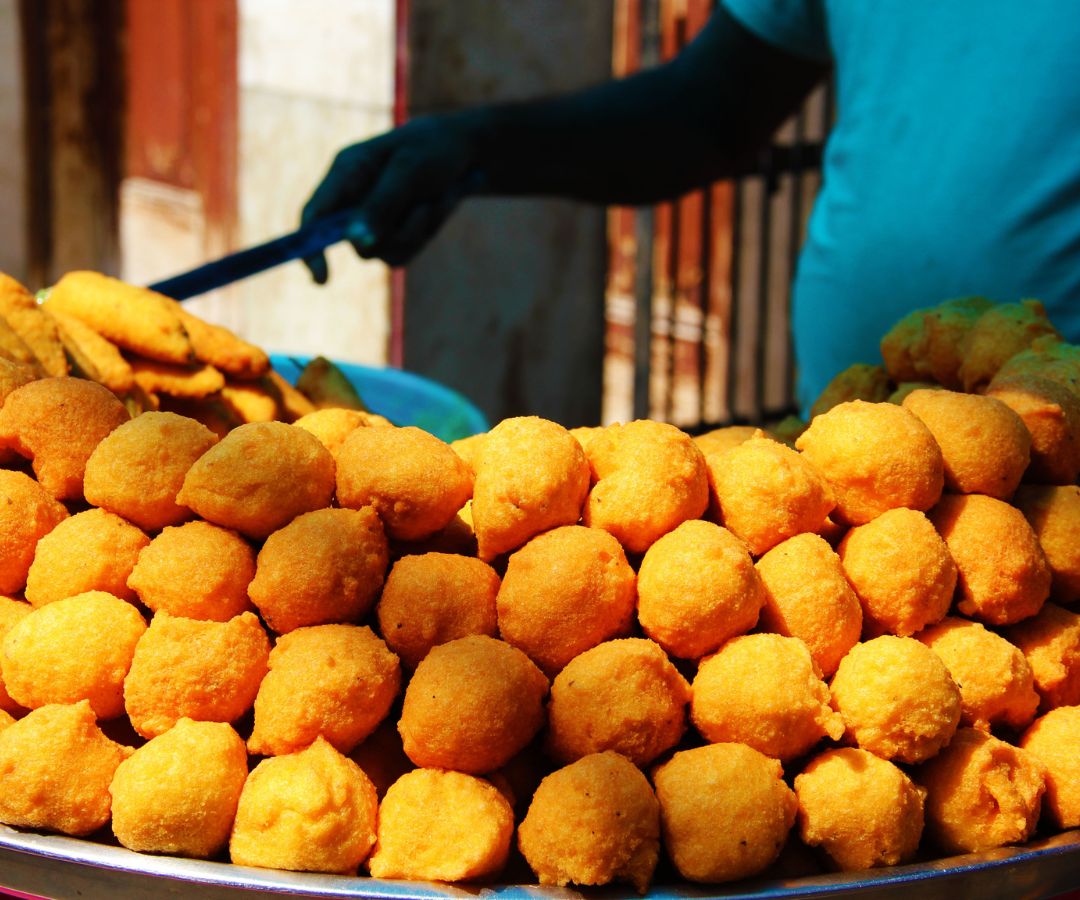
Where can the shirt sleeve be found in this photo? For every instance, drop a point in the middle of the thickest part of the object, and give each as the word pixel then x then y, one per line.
pixel 797 26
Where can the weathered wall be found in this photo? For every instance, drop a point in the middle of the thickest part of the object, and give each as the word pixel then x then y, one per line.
pixel 13 174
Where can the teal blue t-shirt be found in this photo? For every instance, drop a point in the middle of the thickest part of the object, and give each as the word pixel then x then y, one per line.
pixel 953 168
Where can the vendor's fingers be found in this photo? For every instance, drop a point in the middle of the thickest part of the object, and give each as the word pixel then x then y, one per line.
pixel 316 265
pixel 418 228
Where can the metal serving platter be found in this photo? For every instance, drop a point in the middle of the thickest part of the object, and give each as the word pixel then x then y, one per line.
pixel 61 867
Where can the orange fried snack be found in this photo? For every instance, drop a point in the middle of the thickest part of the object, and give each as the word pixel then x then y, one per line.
pixel 311 811
pixel 178 793
pixel 185 668
pixel 331 681
pixel 1054 515
pixel 12 345
pixel 472 705
pixel 55 770
pixel 94 357
pixel 909 387
pixel 251 401
pixel 38 331
pixel 332 425
pixel 564 592
pixel 324 566
pixel 697 587
pixel 898 346
pixel 720 439
pixel 468 448
pixel 1051 414
pixel 292 404
pixel 441 826
pixel 860 381
pixel 6 720
pixel 594 822
pixel 13 375
pixel 1050 642
pixel 192 382
pixel 938 353
pixel 1048 357
pixel 27 513
pixel 12 611
pixel 218 347
pixel 531 476
pixel 1054 740
pixel 998 334
pixel 259 477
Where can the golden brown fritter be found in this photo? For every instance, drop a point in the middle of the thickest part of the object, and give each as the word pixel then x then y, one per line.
pixel 1054 740
pixel 27 513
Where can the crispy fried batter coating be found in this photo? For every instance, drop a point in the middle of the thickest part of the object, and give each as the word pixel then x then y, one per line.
pixel 178 793
pixel 763 690
pixel 12 611
pixel 898 343
pixel 332 425
pixel 220 348
pixel 901 572
pixel 6 720
pixel 897 698
pixel 622 695
pixel 468 448
pixel 725 811
pixel 55 770
pixel 90 551
pixel 260 477
pixel 861 810
pixel 311 811
pixel 877 456
pixel 860 381
pixel 1054 515
pixel 441 826
pixel 95 357
pixel 38 331
pixel 57 423
pixel 1051 643
pixel 1051 414
pixel 998 334
pixel 564 592
pixel 593 822
pixel 250 401
pixel 531 476
pixel 808 597
pixel 293 404
pixel 1048 357
pixel 433 598
pixel 12 346
pixel 332 681
pixel 13 375
pixel 177 381
pixel 1054 740
pixel 324 566
pixel 697 587
pixel 27 513
pixel 1003 575
pixel 720 439
pixel 908 387
pixel 939 352
pixel 208 671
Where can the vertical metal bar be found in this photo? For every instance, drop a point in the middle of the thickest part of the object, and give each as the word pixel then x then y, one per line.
pixel 793 238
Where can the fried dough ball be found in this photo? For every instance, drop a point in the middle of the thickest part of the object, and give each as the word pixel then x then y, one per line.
pixel 6 720
pixel 93 356
pixel 981 793
pixel 1048 357
pixel 55 770
pixel 1051 414
pixel 207 671
pixel 1054 740
pixel 27 513
pixel 472 704
pixel 259 477
pixel 12 611
pixel 720 439
pixel 808 597
pixel 649 478
pixel 222 349
pixel 1051 643
pixel 593 822
pixel 13 375
pixel 332 425
pixel 725 811
pixel 564 592
pixel 138 469
pixel 332 681
pixel 621 695
pixel 984 444
pixel 75 649
pixel 995 680
pixel 999 333
pixel 697 587
pixel 178 793
pixel 38 331
pixel 1003 575
pixel 1054 515
pixel 441 826
pixel 901 572
pixel 434 598
pixel 90 551
pixel 324 566
pixel 939 351
pixel 876 456
pixel 531 476
pixel 311 811
pixel 909 387
pixel 57 423
pixel 898 343
pixel 763 690
pixel 861 810
pixel 860 381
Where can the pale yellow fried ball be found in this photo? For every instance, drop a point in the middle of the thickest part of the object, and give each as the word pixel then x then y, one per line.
pixel 196 570
pixel 207 671
pixel 531 476
pixel 594 822
pixel 995 680
pixel 1054 516
pixel 332 425
pixel 860 809
pixel 27 513
pixel 860 381
pixel 332 681
pixel 1054 740
pixel 897 699
pixel 808 597
pixel 564 592
pixel 178 793
pixel 1051 414
pixel 725 811
pixel 998 334
pixel 471 705
pixel 55 770
pixel 1002 572
pixel 468 448
pixel 79 648
pixel 697 587
pixel 622 695
pixel 311 811
pixel 436 825
pixel 11 612
pixel 325 566
pixel 720 439
pixel 1051 643
pixel 649 477
pixel 981 793
pixel 901 571
pixel 763 690
pixel 877 457
pixel 260 477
